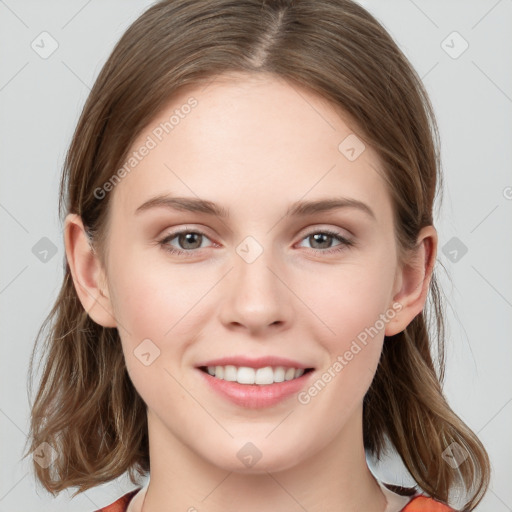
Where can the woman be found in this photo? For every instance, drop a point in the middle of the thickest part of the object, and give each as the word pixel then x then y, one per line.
pixel 296 146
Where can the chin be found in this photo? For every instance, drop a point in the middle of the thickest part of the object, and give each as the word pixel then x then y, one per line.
pixel 258 455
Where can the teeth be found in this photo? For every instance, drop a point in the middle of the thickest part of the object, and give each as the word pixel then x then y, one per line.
pixel 261 376
pixel 290 374
pixel 279 374
pixel 229 373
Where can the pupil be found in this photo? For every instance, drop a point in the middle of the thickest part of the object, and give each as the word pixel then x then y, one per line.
pixel 187 239
pixel 319 236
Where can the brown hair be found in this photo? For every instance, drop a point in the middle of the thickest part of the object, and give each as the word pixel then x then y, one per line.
pixel 86 406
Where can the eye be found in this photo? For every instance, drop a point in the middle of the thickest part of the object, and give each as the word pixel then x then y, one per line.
pixel 323 239
pixel 187 239
pixel 190 241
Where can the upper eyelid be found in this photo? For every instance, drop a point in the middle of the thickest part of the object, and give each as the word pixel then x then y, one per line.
pixel 305 232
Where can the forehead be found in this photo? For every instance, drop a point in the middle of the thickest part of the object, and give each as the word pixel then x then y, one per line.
pixel 251 140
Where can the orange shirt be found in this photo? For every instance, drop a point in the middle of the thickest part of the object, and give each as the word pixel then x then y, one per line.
pixel 418 503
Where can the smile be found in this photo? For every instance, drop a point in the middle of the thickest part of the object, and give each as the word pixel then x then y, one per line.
pixel 259 376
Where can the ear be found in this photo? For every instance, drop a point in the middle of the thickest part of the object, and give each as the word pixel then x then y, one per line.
pixel 87 272
pixel 413 280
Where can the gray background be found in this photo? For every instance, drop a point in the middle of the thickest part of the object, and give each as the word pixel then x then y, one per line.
pixel 40 100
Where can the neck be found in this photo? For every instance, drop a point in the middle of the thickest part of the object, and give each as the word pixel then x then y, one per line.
pixel 336 479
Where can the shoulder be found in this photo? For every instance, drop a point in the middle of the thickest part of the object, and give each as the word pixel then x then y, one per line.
pixel 419 503
pixel 121 504
pixel 423 503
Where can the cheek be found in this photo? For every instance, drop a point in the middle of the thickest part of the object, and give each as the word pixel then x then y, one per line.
pixel 353 345
pixel 352 309
pixel 152 298
pixel 348 301
pixel 154 310
pixel 159 308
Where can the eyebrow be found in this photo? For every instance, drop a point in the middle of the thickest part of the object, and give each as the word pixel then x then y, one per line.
pixel 297 209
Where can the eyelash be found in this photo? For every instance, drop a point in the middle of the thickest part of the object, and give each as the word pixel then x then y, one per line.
pixel 344 242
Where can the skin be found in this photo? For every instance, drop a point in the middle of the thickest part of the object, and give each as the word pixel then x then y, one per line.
pixel 253 144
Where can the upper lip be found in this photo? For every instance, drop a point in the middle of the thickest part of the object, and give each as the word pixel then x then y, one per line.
pixel 258 362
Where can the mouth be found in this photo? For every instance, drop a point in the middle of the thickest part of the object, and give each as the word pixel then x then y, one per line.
pixel 263 376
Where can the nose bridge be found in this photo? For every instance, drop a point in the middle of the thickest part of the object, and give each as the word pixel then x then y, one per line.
pixel 257 296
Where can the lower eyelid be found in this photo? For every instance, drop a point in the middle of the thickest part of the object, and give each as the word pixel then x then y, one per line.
pixel 344 242
pixel 171 236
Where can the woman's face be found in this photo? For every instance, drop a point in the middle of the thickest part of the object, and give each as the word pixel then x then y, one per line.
pixel 265 284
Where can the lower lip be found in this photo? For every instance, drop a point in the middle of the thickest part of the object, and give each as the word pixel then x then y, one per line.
pixel 255 396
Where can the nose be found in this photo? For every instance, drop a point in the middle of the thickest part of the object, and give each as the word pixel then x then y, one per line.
pixel 256 295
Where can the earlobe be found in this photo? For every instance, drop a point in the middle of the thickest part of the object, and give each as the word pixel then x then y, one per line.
pixel 87 273
pixel 413 281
